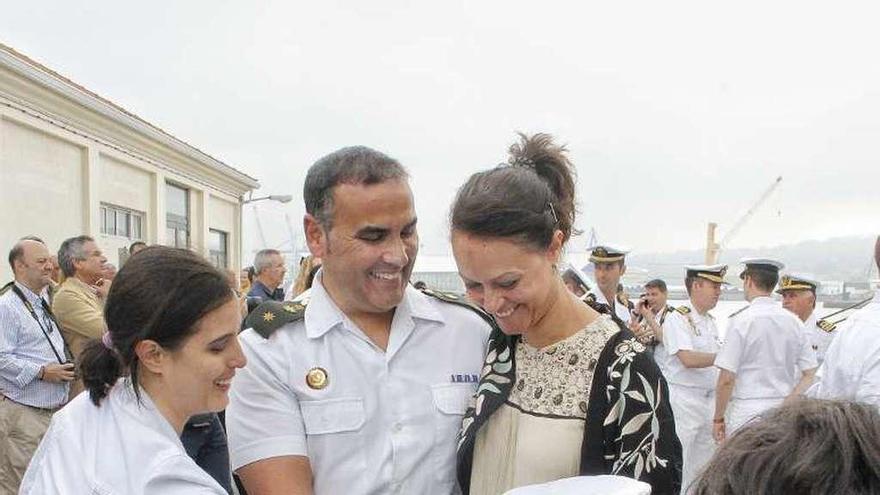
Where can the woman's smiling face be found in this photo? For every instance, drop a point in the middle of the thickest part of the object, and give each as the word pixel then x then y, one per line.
pixel 512 282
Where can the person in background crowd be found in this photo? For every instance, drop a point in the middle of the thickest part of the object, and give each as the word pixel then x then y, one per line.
pixel 34 372
pixel 686 355
pixel 79 303
pixel 799 297
pixel 56 272
pixel 308 268
pixel 171 352
pixel 362 389
pixel 808 447
pixel 764 350
pixel 652 310
pixel 269 270
pixel 553 401
pixel 852 364
pixel 245 279
pixel 575 281
pixel 610 265
pixel 136 247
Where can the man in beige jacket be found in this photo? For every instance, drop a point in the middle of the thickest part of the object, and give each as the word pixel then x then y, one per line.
pixel 79 303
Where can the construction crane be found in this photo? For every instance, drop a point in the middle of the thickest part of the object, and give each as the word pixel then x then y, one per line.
pixel 713 249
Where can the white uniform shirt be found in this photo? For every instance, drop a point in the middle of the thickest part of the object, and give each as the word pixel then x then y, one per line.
pixel 819 339
pixel 852 364
pixel 387 421
pixel 620 309
pixel 119 448
pixel 765 347
pixel 691 332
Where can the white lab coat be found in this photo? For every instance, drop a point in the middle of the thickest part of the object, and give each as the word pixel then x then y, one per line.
pixel 121 447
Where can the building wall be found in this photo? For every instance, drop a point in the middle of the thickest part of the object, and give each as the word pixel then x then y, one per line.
pixel 53 180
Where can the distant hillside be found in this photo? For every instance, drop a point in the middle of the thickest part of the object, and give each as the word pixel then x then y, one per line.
pixel 843 258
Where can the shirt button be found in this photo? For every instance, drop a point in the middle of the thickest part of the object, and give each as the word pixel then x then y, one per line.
pixel 397 427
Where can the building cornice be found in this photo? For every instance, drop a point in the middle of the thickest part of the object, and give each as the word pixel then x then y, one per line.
pixel 48 79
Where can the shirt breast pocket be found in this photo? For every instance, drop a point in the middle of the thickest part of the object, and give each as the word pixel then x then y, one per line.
pixel 323 417
pixel 450 403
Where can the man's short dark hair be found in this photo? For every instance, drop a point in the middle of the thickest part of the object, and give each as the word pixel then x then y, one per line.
pixel 356 165
pixel 134 245
pixel 72 250
pixel 17 251
pixel 656 284
pixel 763 278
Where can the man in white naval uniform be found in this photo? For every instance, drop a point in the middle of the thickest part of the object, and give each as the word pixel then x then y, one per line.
pixel 686 356
pixel 362 390
pixel 764 349
pixel 799 297
pixel 851 370
pixel 610 265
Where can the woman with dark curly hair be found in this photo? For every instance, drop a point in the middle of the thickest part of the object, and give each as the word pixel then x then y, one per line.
pixel 565 391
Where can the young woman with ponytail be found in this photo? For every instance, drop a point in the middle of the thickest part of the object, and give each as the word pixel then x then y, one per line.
pixel 171 352
pixel 565 391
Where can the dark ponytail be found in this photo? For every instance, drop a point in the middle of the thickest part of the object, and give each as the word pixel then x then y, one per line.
pixel 529 198
pixel 158 295
pixel 100 368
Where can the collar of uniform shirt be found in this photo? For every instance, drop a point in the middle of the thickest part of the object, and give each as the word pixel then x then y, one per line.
pixel 763 300
pixel 322 314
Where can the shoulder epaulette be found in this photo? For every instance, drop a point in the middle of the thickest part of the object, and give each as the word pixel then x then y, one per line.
pixel 683 310
pixel 589 297
pixel 5 288
pixel 459 300
pixel 826 325
pixel 740 310
pixel 622 299
pixel 272 315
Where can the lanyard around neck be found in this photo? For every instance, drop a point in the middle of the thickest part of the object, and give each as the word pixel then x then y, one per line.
pixel 46 310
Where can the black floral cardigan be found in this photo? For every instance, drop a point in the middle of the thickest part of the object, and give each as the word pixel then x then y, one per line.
pixel 629 429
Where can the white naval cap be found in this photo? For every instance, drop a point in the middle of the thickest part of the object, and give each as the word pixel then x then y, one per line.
pixel 605 484
pixel 760 263
pixel 715 273
pixel 607 254
pixel 797 281
pixel 578 274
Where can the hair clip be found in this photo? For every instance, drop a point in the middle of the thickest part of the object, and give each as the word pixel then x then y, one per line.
pixel 553 212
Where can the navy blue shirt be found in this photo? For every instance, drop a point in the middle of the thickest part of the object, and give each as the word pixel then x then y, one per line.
pixel 263 292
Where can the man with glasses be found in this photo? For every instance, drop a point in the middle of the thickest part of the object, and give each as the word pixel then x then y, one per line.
pixel 34 368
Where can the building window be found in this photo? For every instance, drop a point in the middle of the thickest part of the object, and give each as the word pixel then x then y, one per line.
pixel 218 248
pixel 176 216
pixel 122 222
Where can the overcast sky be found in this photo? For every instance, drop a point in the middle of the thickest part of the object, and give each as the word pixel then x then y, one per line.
pixel 675 113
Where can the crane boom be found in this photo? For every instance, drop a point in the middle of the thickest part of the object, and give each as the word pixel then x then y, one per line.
pixel 713 249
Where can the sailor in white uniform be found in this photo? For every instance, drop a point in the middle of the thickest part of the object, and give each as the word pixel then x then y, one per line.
pixel 764 350
pixel 610 265
pixel 686 356
pixel 851 370
pixel 799 297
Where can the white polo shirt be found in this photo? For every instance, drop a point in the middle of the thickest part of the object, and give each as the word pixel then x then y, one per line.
pixel 691 332
pixel 122 447
pixel 765 347
pixel 851 370
pixel 386 422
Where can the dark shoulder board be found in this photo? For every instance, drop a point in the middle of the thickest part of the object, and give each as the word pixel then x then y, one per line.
pixel 683 310
pixel 5 288
pixel 458 300
pixel 600 308
pixel 826 325
pixel 272 315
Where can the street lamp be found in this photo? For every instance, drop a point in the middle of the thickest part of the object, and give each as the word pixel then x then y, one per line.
pixel 281 198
